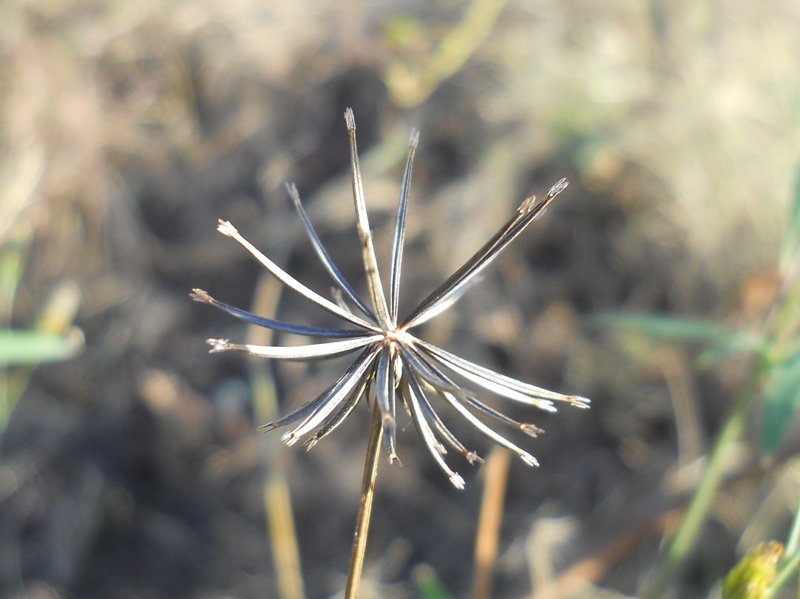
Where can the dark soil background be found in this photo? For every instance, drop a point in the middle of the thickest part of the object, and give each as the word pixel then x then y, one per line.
pixel 135 471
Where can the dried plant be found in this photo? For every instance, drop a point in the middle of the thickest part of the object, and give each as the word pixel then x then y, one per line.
pixel 398 364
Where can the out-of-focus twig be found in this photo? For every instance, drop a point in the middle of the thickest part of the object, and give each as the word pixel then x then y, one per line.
pixel 491 516
pixel 277 499
pixel 410 85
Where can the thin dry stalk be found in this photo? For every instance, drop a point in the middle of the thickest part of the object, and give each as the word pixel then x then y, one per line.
pixel 276 495
pixel 365 509
pixel 487 539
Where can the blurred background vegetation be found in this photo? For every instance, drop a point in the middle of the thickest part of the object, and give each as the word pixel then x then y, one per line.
pixel 130 466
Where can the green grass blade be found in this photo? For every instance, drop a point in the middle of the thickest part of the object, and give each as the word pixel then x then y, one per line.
pixel 781 401
pixel 743 342
pixel 791 240
pixel 681 544
pixel 667 328
pixel 19 348
pixel 428 584
pixel 723 341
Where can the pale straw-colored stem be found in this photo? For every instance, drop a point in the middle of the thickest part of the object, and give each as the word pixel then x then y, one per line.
pixel 275 489
pixel 365 509
pixel 488 537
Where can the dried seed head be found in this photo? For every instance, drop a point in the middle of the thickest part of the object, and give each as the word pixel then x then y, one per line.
pixel 393 364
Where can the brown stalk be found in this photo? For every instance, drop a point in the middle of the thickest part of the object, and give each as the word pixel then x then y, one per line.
pixel 365 509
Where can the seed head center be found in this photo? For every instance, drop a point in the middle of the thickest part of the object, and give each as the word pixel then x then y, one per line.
pixel 392 337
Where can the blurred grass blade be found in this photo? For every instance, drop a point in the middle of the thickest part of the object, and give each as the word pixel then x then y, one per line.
pixel 680 546
pixel 32 347
pixel 666 327
pixel 738 344
pixel 725 340
pixel 427 583
pixel 781 400
pixel 276 494
pixel 411 85
pixel 791 239
pixel 12 263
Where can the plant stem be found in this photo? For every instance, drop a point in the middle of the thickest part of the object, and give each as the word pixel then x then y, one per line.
pixel 689 528
pixel 365 509
pixel 793 542
pixel 275 489
pixel 487 539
